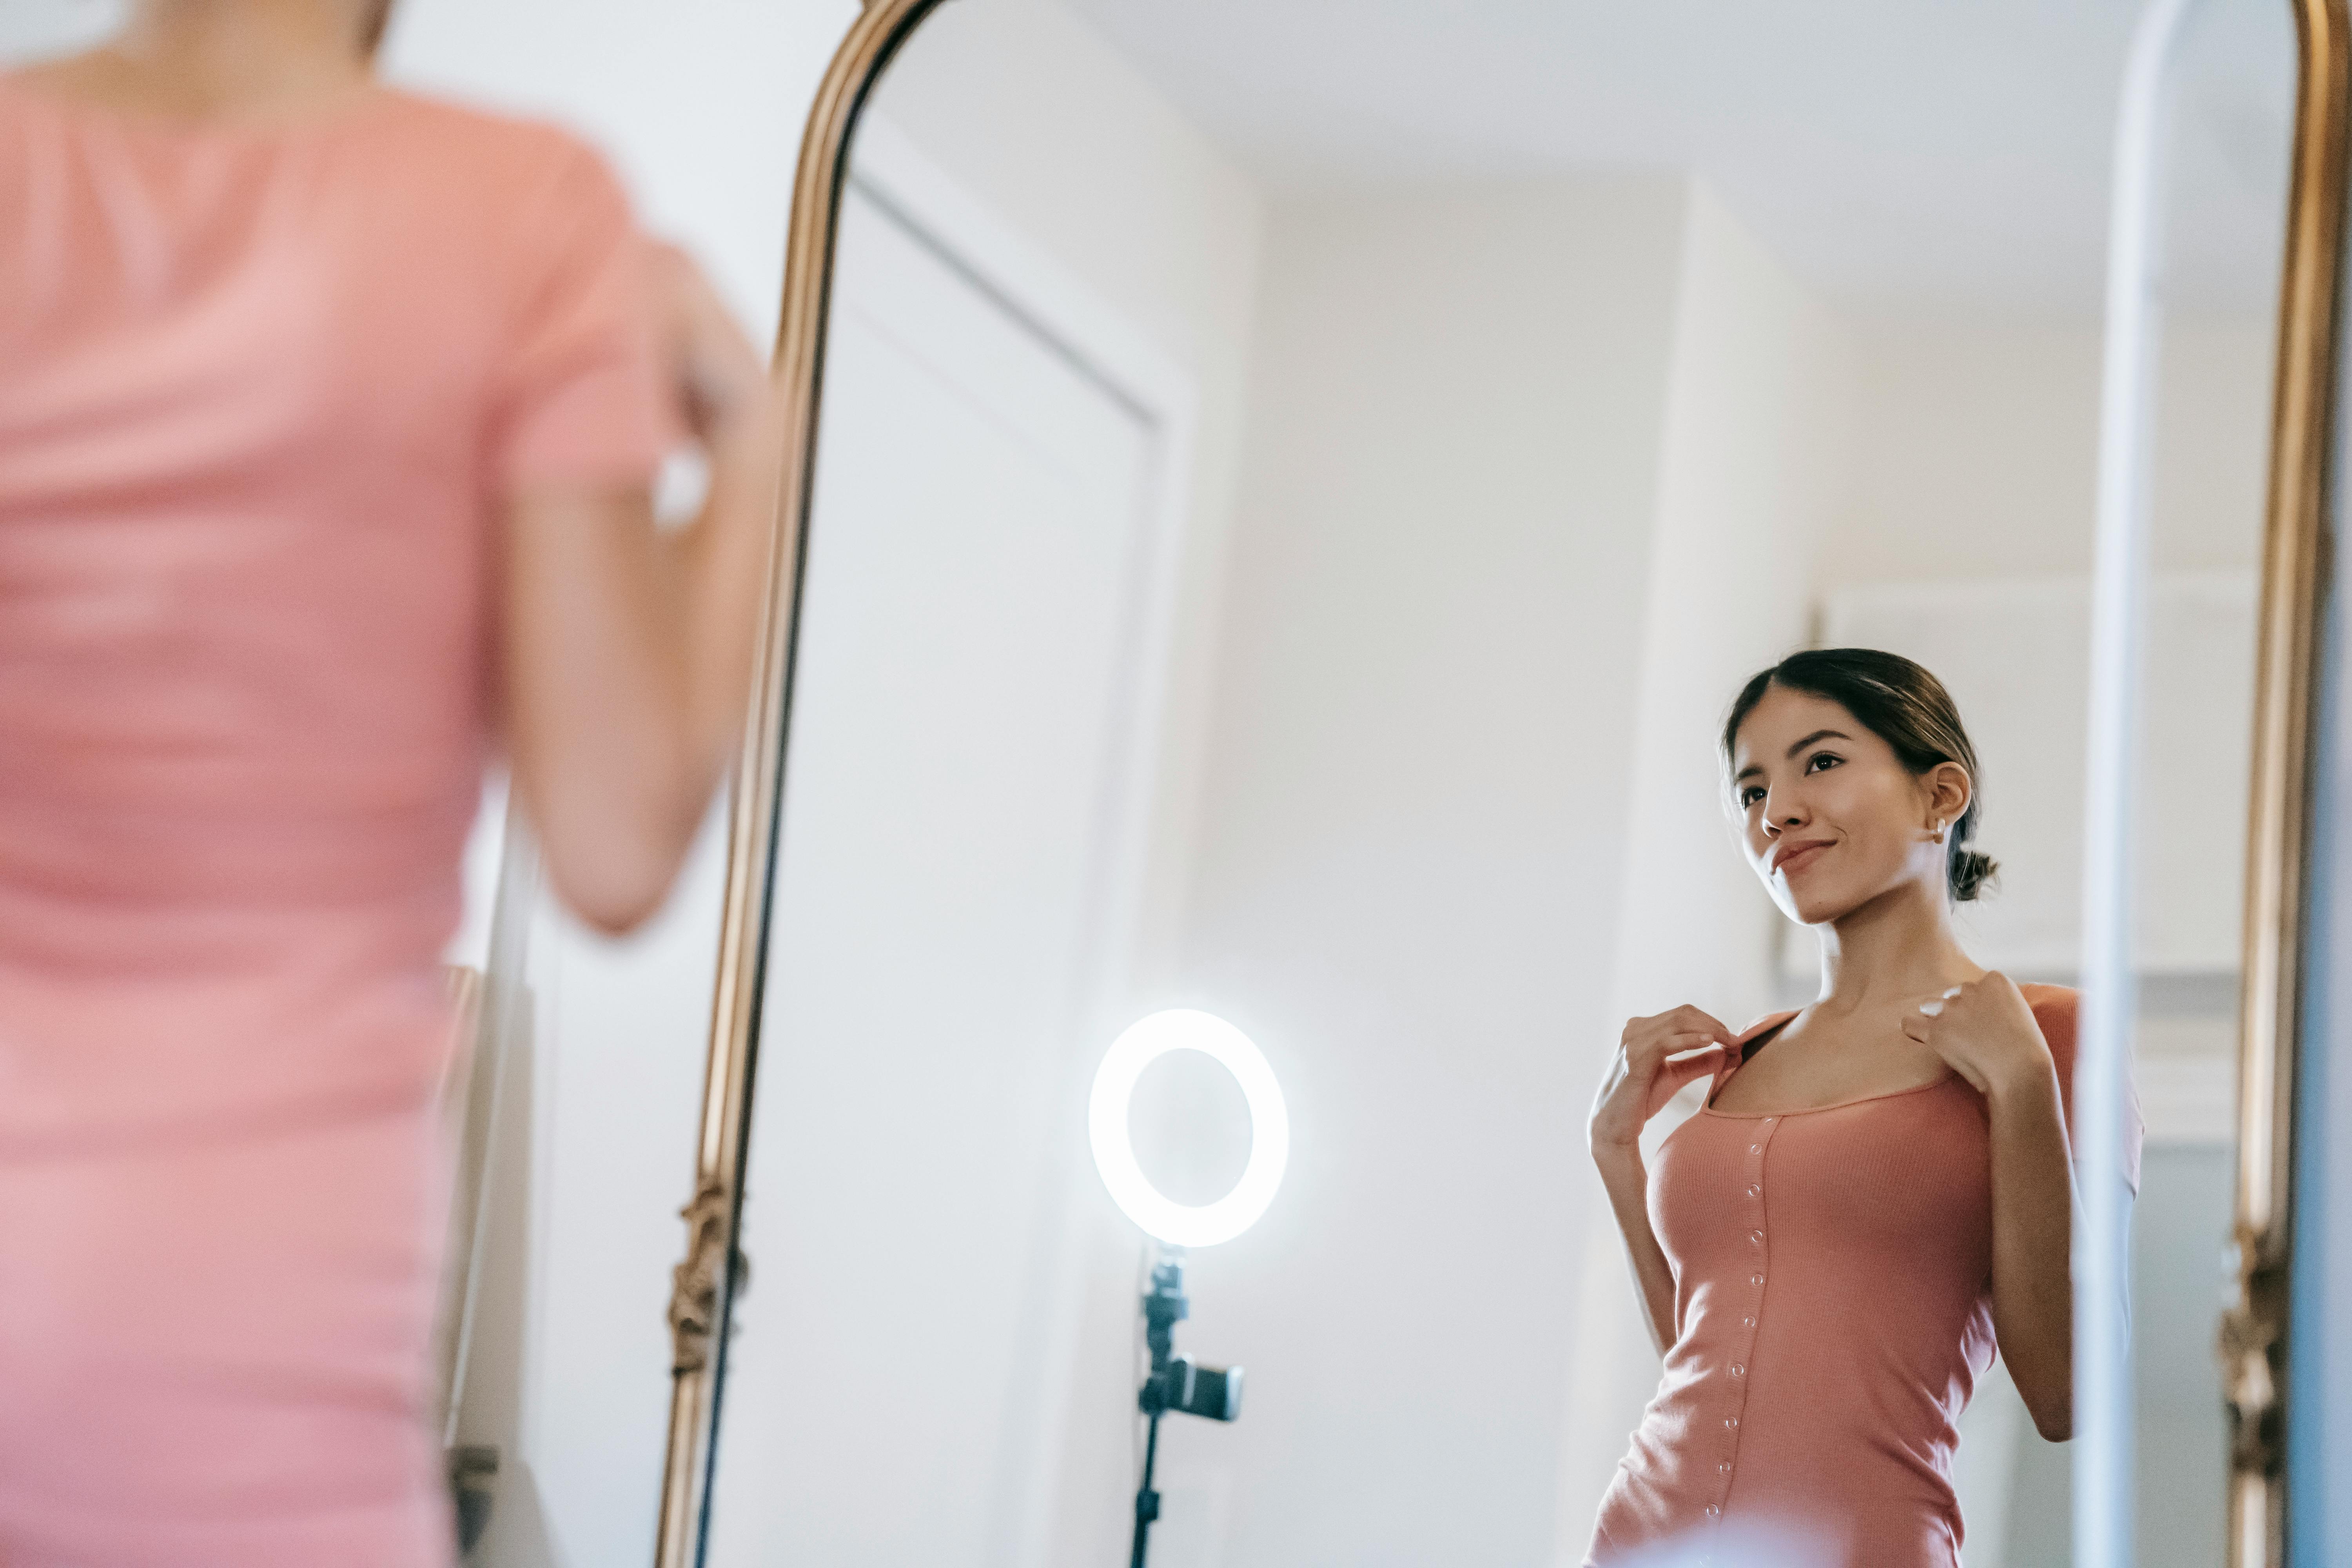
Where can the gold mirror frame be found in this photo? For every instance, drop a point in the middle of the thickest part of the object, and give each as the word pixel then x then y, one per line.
pixel 2297 544
pixel 2254 1333
pixel 703 1284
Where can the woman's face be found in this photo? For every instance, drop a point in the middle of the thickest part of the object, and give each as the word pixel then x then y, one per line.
pixel 1830 817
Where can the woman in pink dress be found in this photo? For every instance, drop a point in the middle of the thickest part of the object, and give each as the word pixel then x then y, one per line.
pixel 328 416
pixel 1878 1193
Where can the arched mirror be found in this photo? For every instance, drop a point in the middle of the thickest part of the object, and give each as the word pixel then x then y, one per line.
pixel 1288 499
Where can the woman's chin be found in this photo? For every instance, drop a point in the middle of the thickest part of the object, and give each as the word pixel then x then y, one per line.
pixel 1814 906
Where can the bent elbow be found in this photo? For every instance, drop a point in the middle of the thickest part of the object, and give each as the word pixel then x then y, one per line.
pixel 611 892
pixel 614 915
pixel 611 855
pixel 2056 1426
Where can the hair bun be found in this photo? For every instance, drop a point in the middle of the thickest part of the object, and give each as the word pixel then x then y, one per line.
pixel 1972 872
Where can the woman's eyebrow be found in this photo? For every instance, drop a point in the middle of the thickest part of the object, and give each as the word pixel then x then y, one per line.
pixel 1816 735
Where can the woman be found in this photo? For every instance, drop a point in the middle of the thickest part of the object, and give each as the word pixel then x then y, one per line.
pixel 1877 1193
pixel 328 416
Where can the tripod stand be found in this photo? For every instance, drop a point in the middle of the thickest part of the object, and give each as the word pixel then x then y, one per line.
pixel 1175 1381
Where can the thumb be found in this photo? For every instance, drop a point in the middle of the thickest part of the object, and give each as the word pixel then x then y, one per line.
pixel 1672 1075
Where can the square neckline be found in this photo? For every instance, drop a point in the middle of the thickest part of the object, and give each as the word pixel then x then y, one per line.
pixel 1749 1047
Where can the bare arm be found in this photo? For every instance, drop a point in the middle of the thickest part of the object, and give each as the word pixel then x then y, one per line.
pixel 1628 1182
pixel 2032 1223
pixel 1987 1033
pixel 627 649
pixel 1651 1064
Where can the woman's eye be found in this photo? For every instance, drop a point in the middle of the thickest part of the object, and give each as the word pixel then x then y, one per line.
pixel 1819 760
pixel 1749 796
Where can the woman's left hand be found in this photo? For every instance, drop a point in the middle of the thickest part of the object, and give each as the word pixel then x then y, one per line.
pixel 1983 1030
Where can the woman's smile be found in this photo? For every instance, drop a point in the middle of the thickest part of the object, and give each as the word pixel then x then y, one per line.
pixel 1790 858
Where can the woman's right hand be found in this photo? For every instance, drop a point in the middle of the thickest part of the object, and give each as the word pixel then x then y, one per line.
pixel 724 389
pixel 1654 1058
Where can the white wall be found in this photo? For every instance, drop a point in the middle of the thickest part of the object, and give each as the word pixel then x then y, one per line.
pixel 1978 453
pixel 1412 839
pixel 1756 457
pixel 1058 136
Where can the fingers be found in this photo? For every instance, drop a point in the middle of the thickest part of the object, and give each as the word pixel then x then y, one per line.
pixel 1682 1069
pixel 722 379
pixel 1677 1030
pixel 1655 1050
pixel 1692 1019
pixel 1674 1075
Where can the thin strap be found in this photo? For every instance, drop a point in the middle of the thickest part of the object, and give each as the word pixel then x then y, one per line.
pixel 1766 1038
pixel 1733 1062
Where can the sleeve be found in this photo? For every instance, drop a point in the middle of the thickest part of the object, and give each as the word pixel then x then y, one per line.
pixel 2056 1012
pixel 583 392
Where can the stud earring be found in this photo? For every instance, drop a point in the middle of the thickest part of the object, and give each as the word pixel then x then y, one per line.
pixel 1938 825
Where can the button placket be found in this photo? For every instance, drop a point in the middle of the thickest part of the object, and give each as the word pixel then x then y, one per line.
pixel 1755 1238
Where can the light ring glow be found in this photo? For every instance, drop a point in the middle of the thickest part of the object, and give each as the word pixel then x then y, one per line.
pixel 1137 1048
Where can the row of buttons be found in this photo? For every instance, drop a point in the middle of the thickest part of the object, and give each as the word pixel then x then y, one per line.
pixel 1738 1369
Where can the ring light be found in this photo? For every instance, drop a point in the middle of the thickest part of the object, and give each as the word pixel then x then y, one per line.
pixel 1144 1042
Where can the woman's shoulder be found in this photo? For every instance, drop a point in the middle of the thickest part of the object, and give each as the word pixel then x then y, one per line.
pixel 534 191
pixel 2054 1008
pixel 2057 1000
pixel 491 140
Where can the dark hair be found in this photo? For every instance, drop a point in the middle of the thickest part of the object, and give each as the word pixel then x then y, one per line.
pixel 1904 706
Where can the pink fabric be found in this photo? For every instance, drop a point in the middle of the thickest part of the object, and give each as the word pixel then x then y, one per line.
pixel 261 389
pixel 1831 1316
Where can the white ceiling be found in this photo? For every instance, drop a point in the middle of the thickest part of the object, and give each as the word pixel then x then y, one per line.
pixel 1942 155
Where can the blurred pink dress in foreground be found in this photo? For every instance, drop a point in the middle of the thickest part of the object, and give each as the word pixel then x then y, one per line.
pixel 261 390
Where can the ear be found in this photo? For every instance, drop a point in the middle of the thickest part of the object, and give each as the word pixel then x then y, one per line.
pixel 1949 790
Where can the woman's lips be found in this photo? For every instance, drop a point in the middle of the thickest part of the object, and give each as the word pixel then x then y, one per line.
pixel 1797 859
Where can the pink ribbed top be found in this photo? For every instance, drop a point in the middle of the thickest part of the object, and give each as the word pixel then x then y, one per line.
pixel 1832 1315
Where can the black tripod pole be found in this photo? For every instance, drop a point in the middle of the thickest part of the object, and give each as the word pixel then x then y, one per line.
pixel 1147 1501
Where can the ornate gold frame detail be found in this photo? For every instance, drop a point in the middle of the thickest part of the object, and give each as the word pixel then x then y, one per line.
pixel 2254 1333
pixel 705 1281
pixel 2296 546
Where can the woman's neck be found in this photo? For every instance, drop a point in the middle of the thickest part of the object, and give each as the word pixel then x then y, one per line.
pixel 1899 945
pixel 211 58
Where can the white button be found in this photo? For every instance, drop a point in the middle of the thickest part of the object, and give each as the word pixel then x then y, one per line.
pixel 1747 1323
pixel 1756 1148
pixel 1756 1280
pixel 1725 1467
pixel 1754 1191
pixel 1737 1370
pixel 1713 1511
pixel 1757 1236
pixel 1767 1121
pixel 1731 1422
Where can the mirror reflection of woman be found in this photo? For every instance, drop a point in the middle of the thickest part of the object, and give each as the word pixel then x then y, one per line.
pixel 1876 1195
pixel 327 419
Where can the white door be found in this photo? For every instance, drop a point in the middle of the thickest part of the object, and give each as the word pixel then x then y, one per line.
pixel 954 792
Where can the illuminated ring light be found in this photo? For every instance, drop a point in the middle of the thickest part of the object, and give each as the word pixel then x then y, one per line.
pixel 1143 1043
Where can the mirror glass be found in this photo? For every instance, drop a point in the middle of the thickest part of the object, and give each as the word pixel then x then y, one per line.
pixel 1297 489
